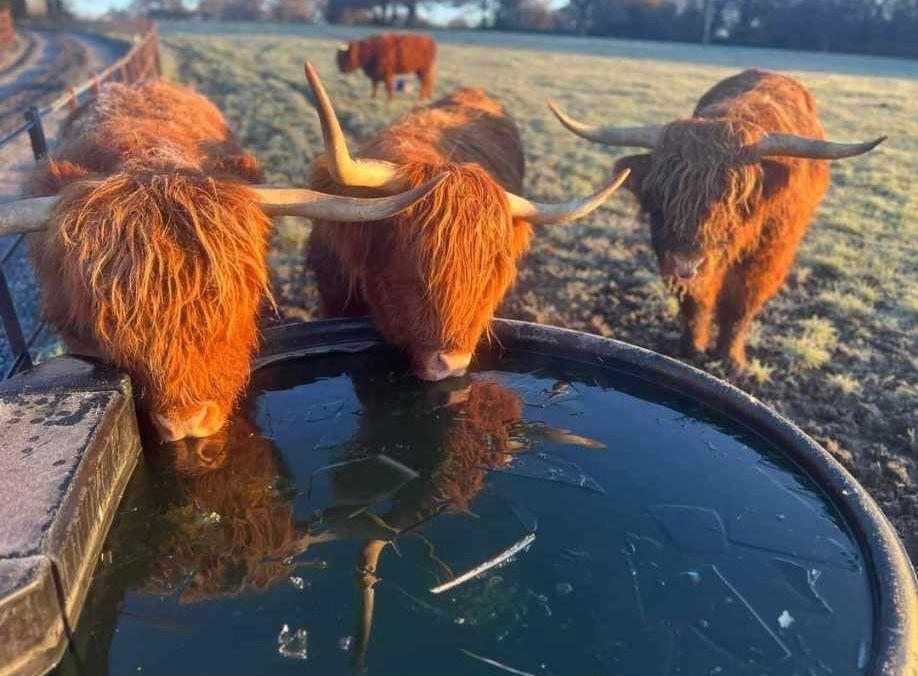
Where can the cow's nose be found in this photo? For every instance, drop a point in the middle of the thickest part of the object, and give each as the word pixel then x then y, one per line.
pixel 686 266
pixel 203 420
pixel 440 364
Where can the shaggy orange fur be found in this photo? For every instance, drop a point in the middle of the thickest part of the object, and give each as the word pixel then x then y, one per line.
pixel 384 56
pixel 160 268
pixel 706 195
pixel 432 276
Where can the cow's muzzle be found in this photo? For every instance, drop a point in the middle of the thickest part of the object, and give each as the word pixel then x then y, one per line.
pixel 201 421
pixel 442 364
pixel 683 267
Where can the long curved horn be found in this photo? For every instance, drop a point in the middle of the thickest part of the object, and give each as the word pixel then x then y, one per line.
pixel 789 145
pixel 538 213
pixel 344 168
pixel 26 215
pixel 33 213
pixel 319 205
pixel 632 137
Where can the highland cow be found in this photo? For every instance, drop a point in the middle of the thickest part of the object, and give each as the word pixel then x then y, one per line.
pixel 729 194
pixel 433 277
pixel 386 55
pixel 153 251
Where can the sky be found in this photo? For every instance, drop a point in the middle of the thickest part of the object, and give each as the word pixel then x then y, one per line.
pixel 92 8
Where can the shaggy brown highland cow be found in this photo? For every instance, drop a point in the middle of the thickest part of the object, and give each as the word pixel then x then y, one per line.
pixel 154 254
pixel 432 277
pixel 384 56
pixel 729 193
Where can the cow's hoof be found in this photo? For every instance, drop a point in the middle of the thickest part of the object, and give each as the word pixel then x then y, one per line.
pixel 689 351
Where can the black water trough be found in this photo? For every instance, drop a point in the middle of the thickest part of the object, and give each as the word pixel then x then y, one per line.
pixel 575 506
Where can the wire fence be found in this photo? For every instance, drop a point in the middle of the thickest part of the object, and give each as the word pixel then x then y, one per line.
pixel 141 62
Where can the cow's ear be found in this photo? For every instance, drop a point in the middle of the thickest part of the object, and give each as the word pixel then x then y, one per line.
pixel 639 166
pixel 243 165
pixel 775 176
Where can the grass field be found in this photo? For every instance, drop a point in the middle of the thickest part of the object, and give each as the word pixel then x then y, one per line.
pixel 835 351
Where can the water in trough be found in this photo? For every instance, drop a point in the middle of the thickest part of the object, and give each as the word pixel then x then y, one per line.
pixel 539 517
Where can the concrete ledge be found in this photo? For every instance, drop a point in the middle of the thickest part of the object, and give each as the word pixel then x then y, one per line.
pixel 69 445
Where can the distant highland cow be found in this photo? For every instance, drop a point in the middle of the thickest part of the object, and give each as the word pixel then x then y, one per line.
pixel 386 55
pixel 729 192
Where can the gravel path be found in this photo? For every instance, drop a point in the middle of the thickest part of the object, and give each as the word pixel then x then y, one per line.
pixel 50 62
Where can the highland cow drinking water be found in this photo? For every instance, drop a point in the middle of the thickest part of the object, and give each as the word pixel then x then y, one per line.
pixel 432 277
pixel 154 254
pixel 386 55
pixel 729 193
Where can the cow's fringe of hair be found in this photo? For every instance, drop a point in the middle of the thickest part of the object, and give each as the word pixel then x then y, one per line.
pixel 165 261
pixel 702 176
pixel 460 229
pixel 467 230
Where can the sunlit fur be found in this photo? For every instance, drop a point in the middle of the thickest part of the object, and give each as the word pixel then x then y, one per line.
pixel 432 276
pixel 159 269
pixel 705 194
pixel 384 56
pixel 227 530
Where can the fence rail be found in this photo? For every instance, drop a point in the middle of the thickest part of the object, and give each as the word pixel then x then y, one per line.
pixel 141 62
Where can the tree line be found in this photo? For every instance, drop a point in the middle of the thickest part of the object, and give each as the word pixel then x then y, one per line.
pixel 888 27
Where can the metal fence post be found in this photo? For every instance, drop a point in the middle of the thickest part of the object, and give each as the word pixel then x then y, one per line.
pixel 19 348
pixel 36 133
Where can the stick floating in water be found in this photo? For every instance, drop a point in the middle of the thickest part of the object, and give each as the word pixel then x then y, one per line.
pixel 487 565
pixel 495 663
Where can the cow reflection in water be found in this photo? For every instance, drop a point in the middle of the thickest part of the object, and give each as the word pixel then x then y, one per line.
pixel 230 516
pixel 234 528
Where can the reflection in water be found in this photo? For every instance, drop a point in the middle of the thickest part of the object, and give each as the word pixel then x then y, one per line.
pixel 227 501
pixel 473 427
pixel 352 514
pixel 227 514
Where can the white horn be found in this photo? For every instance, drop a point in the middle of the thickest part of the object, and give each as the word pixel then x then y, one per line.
pixel 26 215
pixel 789 145
pixel 322 206
pixel 553 214
pixel 631 137
pixel 343 168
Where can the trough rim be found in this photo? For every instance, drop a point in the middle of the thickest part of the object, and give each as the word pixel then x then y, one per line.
pixel 894 645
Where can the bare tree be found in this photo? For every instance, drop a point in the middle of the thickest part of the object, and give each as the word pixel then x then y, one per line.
pixel 582 10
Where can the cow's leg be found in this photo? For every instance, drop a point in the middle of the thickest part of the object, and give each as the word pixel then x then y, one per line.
pixel 747 287
pixel 696 314
pixel 390 85
pixel 375 88
pixel 697 311
pixel 426 76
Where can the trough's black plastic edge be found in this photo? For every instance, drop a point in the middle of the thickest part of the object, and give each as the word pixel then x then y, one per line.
pixel 896 630
pixel 895 640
